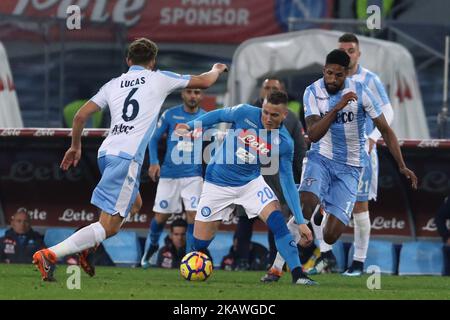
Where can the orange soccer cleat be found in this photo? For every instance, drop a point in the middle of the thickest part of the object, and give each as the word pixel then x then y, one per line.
pixel 85 259
pixel 45 261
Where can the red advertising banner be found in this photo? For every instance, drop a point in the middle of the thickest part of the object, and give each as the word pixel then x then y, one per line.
pixel 193 21
pixel 30 177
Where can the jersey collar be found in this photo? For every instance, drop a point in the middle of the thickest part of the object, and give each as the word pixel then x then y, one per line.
pixel 136 68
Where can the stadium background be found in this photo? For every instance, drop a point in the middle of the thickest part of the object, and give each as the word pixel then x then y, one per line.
pixel 50 65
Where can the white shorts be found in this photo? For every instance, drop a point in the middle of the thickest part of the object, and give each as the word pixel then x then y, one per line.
pixel 172 194
pixel 217 203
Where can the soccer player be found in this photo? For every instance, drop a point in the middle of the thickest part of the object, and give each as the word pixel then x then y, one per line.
pixel 234 176
pixel 336 111
pixel 134 100
pixel 180 183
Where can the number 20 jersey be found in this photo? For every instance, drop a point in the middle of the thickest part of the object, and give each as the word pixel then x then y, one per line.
pixel 135 99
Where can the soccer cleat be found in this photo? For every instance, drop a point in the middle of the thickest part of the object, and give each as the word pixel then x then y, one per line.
pixel 306 281
pixel 273 275
pixel 355 270
pixel 145 261
pixel 86 261
pixel 45 261
pixel 323 265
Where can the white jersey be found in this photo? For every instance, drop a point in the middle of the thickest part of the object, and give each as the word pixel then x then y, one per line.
pixel 373 82
pixel 344 141
pixel 135 99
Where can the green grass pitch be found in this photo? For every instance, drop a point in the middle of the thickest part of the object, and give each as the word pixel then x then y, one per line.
pixel 23 282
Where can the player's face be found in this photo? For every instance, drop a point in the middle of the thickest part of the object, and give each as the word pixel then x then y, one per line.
pixel 352 49
pixel 178 237
pixel 334 76
pixel 21 223
pixel 268 86
pixel 273 115
pixel 192 97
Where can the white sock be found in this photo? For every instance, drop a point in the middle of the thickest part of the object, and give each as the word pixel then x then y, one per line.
pixel 85 238
pixel 324 247
pixel 362 235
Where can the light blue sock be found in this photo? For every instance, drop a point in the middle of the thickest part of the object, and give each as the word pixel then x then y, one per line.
pixel 283 239
pixel 190 238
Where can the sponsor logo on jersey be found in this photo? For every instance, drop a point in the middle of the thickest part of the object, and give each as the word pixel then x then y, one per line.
pixel 342 116
pixel 245 156
pixel 178 117
pixel 253 141
pixel 119 129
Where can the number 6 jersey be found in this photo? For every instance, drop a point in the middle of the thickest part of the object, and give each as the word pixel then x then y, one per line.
pixel 135 99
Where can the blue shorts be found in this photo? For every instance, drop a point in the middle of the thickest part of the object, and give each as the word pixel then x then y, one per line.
pixel 335 184
pixel 368 182
pixel 118 188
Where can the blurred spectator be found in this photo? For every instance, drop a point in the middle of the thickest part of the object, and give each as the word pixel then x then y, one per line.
pixel 99 119
pixel 258 257
pixel 245 226
pixel 174 249
pixel 442 216
pixel 20 241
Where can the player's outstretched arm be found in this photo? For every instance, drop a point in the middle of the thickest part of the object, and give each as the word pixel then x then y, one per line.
pixel 73 155
pixel 207 79
pixel 392 143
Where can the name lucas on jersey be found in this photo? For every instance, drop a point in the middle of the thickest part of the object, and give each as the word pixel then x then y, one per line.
pixel 131 83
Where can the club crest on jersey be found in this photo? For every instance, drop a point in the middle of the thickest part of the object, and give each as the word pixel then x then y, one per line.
pixel 309 181
pixel 253 141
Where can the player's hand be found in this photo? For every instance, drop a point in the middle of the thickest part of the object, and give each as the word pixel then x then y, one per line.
pixel 153 171
pixel 306 236
pixel 410 175
pixel 181 129
pixel 346 98
pixel 372 143
pixel 220 67
pixel 72 157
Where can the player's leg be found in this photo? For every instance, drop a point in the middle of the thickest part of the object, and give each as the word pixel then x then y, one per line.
pixel 286 246
pixel 167 201
pixel 191 189
pixel 114 195
pixel 367 189
pixel 258 199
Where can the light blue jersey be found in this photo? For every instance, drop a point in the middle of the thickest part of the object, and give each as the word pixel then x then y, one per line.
pixel 166 124
pixel 373 82
pixel 238 159
pixel 345 140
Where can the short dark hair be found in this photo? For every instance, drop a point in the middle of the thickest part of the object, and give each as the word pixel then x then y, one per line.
pixel 142 51
pixel 338 57
pixel 349 37
pixel 277 97
pixel 178 223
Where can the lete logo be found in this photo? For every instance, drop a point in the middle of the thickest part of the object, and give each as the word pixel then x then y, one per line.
pixel 254 142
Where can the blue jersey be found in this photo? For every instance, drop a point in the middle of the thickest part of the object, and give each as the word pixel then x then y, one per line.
pixel 166 124
pixel 237 161
pixel 345 140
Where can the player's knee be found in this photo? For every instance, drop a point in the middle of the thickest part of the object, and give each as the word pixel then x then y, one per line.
pixel 111 230
pixel 329 237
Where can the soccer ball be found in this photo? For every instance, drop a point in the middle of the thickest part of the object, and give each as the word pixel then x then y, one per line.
pixel 196 266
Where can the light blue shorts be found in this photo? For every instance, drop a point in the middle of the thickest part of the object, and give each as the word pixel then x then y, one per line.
pixel 118 188
pixel 335 184
pixel 368 182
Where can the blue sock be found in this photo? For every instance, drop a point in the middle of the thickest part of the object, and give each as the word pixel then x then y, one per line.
pixel 200 245
pixel 190 238
pixel 154 234
pixel 283 239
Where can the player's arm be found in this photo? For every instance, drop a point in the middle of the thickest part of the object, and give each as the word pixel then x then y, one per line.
pixel 291 196
pixel 154 168
pixel 392 143
pixel 318 126
pixel 207 79
pixel 73 155
pixel 211 118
